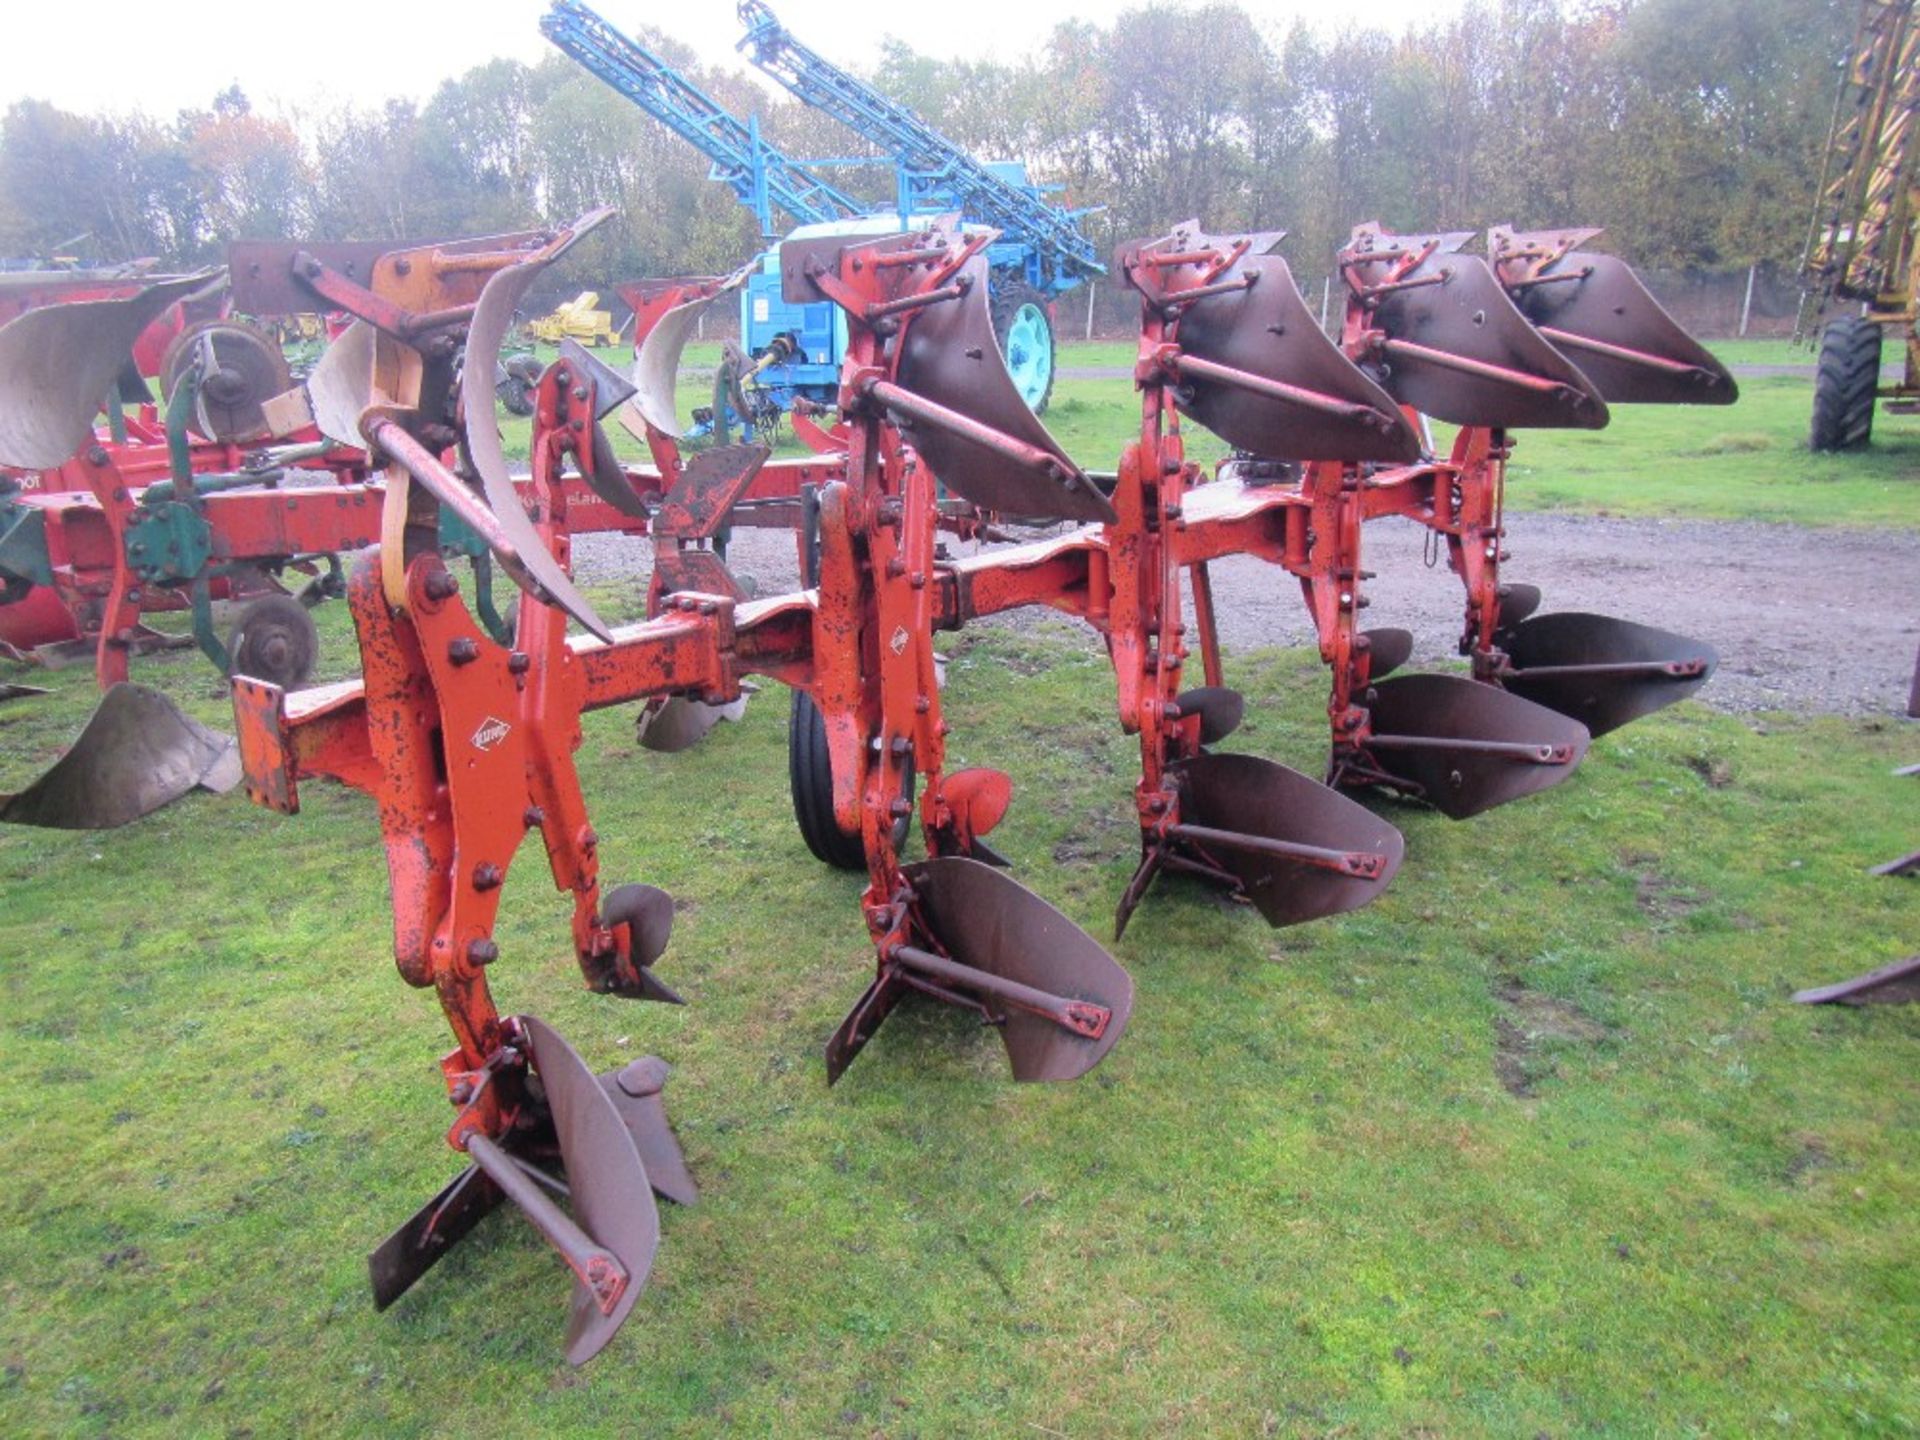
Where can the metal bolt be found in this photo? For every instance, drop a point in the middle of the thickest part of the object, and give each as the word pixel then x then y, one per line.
pixel 921 704
pixel 533 816
pixel 403 266
pixel 518 662
pixel 98 456
pixel 442 585
pixel 901 808
pixel 901 745
pixel 482 951
pixel 488 876
pixel 461 1093
pixel 463 650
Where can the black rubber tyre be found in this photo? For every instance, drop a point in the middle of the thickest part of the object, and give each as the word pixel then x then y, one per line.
pixel 275 640
pixel 1008 301
pixel 1844 385
pixel 810 777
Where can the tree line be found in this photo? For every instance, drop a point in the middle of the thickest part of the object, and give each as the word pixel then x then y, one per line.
pixel 1690 129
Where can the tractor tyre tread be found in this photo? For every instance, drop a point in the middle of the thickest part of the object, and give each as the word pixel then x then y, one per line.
pixel 1844 385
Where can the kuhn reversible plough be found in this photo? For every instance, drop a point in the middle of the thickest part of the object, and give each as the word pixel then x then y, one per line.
pixel 467 740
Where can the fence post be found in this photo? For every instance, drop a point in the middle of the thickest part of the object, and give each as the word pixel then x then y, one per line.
pixel 1746 305
pixel 1090 285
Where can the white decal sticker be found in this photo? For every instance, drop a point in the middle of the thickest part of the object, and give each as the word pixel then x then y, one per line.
pixel 491 733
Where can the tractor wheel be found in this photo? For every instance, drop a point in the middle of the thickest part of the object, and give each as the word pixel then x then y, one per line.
pixel 1024 328
pixel 1844 385
pixel 516 381
pixel 276 641
pixel 810 777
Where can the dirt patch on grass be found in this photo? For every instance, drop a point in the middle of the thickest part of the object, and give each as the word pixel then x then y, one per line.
pixel 1716 772
pixel 1527 1027
pixel 1662 899
pixel 1812 1157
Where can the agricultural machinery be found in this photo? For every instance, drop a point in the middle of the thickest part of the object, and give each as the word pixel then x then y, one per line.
pixel 1864 245
pixel 158 511
pixel 1037 255
pixel 467 738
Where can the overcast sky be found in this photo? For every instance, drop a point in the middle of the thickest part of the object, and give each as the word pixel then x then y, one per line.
pixel 144 56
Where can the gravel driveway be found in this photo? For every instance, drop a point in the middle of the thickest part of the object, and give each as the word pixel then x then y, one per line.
pixel 1804 620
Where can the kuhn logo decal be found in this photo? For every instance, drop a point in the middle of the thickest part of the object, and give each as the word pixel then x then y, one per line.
pixel 491 733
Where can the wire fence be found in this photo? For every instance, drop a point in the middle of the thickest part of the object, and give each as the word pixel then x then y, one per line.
pixel 1711 305
pixel 1762 303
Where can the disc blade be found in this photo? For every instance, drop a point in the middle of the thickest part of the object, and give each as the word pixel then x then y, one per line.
pixel 1390 647
pixel 1249 795
pixel 1604 699
pixel 984 918
pixel 1460 781
pixel 1517 602
pixel 57 362
pixel 248 370
pixel 137 753
pixel 1219 707
pixel 532 566
pixel 949 355
pixel 610 1196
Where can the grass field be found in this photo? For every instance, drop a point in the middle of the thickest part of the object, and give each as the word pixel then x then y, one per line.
pixel 1533 1146
pixel 1746 462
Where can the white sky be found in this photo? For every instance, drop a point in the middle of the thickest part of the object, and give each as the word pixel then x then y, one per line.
pixel 117 55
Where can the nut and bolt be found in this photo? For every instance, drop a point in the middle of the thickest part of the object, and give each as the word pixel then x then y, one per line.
pixel 488 876
pixel 482 951
pixel 442 585
pixel 463 650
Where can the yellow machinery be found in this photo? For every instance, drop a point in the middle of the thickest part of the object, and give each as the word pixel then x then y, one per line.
pixel 1862 247
pixel 579 319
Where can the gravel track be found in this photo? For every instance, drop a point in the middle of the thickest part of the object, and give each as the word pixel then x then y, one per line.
pixel 1804 620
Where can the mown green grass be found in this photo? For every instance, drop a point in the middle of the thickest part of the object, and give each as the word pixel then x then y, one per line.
pixel 1297 1199
pixel 1748 461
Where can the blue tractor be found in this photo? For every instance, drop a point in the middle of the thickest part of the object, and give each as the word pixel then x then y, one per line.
pixel 794 351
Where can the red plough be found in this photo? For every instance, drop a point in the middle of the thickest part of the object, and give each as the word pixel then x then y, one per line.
pixel 467 739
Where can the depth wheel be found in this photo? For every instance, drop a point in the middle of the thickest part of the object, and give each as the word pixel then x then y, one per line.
pixel 1844 386
pixel 1024 329
pixel 810 777
pixel 276 641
